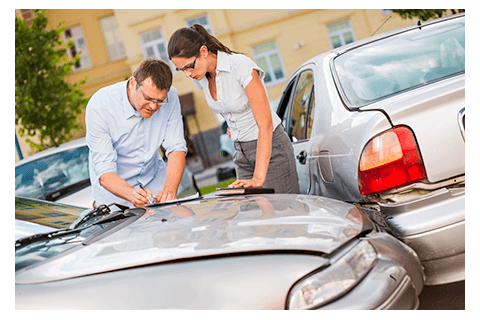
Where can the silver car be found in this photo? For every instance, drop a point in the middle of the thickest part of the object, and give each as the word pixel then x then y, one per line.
pixel 217 252
pixel 381 123
pixel 61 175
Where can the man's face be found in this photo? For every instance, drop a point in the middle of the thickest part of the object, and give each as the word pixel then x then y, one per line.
pixel 147 98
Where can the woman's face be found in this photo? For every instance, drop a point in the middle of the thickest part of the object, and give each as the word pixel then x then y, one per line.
pixel 194 67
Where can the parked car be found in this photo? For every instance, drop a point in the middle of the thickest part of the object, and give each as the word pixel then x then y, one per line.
pixel 61 174
pixel 272 251
pixel 381 123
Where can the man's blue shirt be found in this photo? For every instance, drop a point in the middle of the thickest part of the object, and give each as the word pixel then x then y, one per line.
pixel 123 142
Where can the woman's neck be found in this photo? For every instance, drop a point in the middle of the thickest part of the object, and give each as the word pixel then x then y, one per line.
pixel 212 63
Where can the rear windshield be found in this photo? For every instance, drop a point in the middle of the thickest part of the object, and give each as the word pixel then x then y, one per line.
pixel 402 62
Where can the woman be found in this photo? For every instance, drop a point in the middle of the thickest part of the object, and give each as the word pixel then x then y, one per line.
pixel 233 87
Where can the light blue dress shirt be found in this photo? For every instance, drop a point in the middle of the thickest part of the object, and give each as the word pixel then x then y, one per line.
pixel 122 141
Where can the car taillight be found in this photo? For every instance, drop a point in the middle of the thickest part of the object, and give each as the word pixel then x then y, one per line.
pixel 390 160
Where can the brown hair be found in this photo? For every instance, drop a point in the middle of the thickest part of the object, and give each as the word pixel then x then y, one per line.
pixel 186 42
pixel 158 70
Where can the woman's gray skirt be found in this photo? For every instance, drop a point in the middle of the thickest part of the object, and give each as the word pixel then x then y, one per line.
pixel 282 171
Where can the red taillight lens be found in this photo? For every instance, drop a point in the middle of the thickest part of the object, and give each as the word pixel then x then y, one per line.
pixel 390 160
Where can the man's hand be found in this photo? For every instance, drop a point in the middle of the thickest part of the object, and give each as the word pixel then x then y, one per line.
pixel 165 195
pixel 140 197
pixel 119 187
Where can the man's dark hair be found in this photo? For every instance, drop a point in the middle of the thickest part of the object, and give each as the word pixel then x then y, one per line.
pixel 158 70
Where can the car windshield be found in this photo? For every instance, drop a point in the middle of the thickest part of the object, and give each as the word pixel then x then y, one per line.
pixel 402 62
pixel 38 178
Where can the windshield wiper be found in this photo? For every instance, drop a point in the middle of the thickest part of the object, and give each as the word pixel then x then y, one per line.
pixel 74 228
pixel 98 211
pixel 20 243
pixel 59 193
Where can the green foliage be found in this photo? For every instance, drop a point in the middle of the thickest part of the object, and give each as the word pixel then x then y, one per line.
pixel 44 103
pixel 422 14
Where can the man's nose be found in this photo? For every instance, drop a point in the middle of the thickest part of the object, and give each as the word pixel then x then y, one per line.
pixel 152 105
pixel 188 73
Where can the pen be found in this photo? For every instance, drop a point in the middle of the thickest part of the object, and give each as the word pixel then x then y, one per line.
pixel 149 200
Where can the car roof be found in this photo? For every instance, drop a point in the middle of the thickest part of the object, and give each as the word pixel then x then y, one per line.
pixel 351 46
pixel 66 146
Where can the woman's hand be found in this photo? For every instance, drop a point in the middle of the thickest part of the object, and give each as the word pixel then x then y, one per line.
pixel 252 183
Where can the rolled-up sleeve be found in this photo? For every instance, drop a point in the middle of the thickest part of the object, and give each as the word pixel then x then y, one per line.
pixel 174 134
pixel 103 156
pixel 244 69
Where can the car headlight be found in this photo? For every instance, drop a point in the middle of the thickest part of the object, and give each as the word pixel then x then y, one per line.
pixel 335 280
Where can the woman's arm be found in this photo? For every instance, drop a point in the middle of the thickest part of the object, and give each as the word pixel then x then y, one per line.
pixel 261 112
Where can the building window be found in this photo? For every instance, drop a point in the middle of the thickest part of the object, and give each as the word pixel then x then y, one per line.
pixel 80 46
pixel 202 20
pixel 340 33
pixel 268 58
pixel 154 45
pixel 113 38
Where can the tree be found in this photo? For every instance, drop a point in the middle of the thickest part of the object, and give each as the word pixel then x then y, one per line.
pixel 44 103
pixel 422 14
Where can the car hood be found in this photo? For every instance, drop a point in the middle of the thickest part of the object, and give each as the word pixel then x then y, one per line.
pixel 210 227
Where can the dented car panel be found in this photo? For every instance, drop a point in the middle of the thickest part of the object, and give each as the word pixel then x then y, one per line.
pixel 434 226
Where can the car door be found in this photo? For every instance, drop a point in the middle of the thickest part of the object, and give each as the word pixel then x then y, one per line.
pixel 296 109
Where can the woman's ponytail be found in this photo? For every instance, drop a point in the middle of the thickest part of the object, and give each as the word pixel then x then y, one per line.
pixel 186 42
pixel 213 44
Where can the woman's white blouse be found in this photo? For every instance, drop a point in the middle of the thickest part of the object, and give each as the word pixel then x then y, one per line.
pixel 234 73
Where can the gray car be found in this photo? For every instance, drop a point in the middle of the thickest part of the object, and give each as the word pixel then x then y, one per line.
pixel 217 252
pixel 381 123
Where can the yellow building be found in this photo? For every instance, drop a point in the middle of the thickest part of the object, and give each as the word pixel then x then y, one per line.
pixel 115 41
pixel 102 64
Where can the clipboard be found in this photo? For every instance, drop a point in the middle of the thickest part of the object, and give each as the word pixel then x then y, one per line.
pixel 241 190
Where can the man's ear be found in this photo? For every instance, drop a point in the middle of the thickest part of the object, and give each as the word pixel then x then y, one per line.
pixel 132 82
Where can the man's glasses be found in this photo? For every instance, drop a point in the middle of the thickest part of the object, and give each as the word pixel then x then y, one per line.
pixel 190 66
pixel 150 100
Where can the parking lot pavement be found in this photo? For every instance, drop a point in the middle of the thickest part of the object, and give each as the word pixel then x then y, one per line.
pixel 443 297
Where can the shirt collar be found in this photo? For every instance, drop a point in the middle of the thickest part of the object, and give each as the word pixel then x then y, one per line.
pixel 223 61
pixel 128 109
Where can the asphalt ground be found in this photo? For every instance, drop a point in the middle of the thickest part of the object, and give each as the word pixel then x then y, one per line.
pixel 443 297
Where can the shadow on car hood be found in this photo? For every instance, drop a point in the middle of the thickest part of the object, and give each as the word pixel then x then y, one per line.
pixel 209 227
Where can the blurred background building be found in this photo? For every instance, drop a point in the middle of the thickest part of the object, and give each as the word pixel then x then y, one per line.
pixel 113 42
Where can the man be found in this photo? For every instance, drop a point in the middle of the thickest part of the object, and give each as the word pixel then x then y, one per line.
pixel 126 124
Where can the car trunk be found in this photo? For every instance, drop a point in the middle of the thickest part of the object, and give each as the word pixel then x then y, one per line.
pixel 432 222
pixel 436 115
